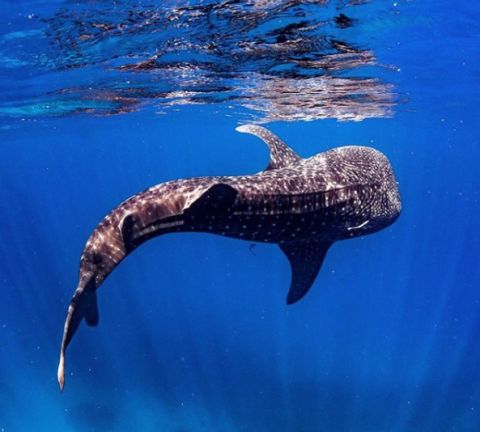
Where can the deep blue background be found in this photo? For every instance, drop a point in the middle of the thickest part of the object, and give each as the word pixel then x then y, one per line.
pixel 195 334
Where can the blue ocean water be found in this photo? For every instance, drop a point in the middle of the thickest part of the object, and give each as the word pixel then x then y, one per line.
pixel 101 100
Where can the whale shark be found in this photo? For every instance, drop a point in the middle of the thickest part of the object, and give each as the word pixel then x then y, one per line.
pixel 302 204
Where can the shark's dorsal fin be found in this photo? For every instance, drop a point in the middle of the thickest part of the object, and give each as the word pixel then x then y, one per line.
pixel 218 198
pixel 281 155
pixel 306 258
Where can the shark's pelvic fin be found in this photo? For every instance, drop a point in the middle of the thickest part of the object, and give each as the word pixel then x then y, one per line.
pixel 281 155
pixel 306 258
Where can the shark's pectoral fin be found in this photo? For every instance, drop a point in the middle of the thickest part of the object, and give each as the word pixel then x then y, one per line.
pixel 281 155
pixel 306 258
pixel 219 197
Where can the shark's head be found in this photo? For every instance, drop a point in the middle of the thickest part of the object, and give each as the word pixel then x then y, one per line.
pixel 370 187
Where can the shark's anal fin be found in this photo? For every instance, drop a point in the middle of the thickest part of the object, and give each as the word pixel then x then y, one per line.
pixel 306 258
pixel 281 155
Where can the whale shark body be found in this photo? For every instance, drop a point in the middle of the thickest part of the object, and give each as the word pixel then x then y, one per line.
pixel 303 205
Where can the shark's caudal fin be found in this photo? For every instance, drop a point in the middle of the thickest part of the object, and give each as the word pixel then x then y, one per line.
pixel 281 155
pixel 82 306
pixel 306 258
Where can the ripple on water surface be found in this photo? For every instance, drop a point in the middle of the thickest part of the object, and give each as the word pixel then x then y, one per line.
pixel 275 60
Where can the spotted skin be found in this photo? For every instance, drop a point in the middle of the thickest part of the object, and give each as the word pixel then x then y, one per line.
pixel 304 205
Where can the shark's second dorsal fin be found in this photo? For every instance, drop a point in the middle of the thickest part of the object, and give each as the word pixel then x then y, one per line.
pixel 306 258
pixel 281 155
pixel 217 198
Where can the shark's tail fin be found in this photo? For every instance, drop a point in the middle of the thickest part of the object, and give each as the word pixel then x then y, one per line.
pixel 83 305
